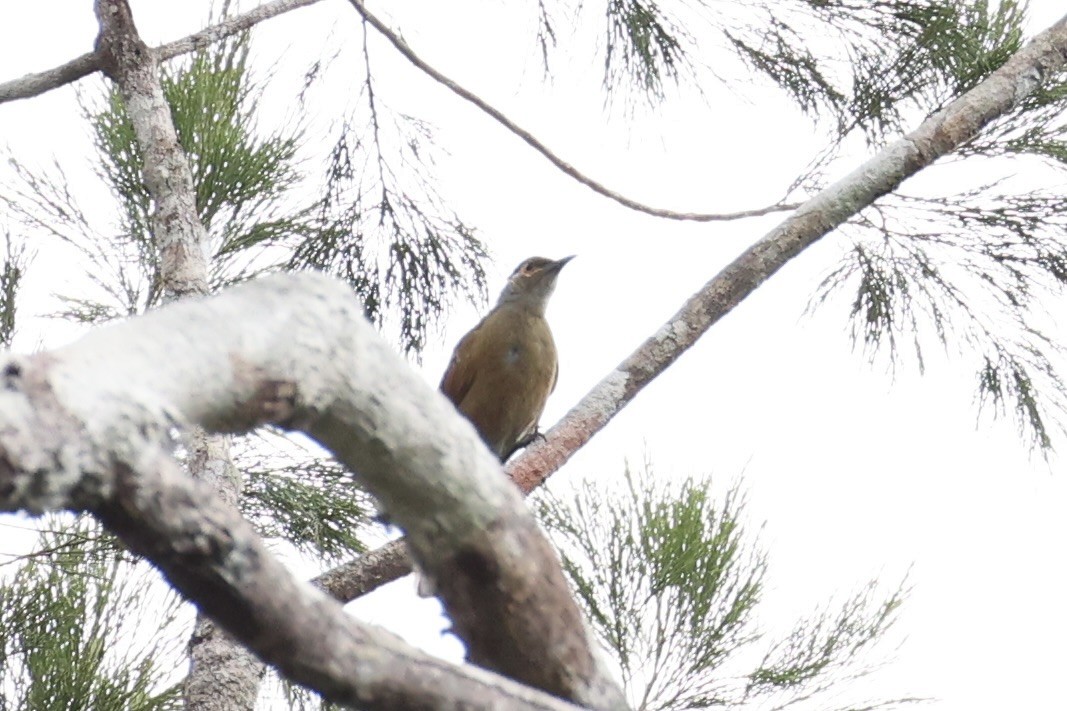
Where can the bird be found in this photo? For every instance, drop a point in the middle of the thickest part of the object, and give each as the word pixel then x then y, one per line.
pixel 502 372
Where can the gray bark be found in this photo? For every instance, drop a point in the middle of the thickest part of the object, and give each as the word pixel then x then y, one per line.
pixel 222 675
pixel 88 427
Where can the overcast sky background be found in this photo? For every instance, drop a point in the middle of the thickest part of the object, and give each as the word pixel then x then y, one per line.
pixel 853 473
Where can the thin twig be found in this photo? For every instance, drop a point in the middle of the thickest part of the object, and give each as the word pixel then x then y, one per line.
pixel 372 106
pixel 530 140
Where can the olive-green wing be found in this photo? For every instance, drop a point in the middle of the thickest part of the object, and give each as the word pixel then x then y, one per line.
pixel 459 376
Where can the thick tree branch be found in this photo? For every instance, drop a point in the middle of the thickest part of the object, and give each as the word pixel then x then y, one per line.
pixel 35 84
pixel 87 426
pixel 203 545
pixel 939 135
pixel 527 137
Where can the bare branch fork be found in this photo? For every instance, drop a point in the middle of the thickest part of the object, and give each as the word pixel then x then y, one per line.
pixel 80 67
pixel 938 136
pixel 87 427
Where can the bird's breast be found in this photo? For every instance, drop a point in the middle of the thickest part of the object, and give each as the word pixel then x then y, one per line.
pixel 511 360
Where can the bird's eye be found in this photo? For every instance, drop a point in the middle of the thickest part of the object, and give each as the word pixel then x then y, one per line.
pixel 528 268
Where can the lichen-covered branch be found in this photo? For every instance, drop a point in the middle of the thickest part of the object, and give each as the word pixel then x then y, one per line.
pixel 178 234
pixel 88 427
pixel 179 243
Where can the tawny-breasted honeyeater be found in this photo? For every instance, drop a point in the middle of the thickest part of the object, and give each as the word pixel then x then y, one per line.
pixel 503 371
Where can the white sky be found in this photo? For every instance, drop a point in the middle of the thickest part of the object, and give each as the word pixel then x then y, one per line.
pixel 856 474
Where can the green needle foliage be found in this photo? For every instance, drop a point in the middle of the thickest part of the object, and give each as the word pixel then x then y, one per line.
pixel 85 629
pixel 971 275
pixel 644 46
pixel 390 239
pixel 311 502
pixel 387 234
pixel 244 180
pixel 671 582
pixel 829 642
pixel 966 271
pixel 11 274
pixel 672 586
pixel 862 64
pixel 377 189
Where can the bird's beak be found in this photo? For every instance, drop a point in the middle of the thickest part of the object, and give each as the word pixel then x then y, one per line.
pixel 560 263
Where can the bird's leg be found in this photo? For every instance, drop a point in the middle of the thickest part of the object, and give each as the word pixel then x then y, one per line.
pixel 530 438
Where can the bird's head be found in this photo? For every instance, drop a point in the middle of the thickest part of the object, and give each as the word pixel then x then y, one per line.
pixel 532 282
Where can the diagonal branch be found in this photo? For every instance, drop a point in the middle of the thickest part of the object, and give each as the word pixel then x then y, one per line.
pixel 355 578
pixel 940 134
pixel 80 67
pixel 945 131
pixel 88 427
pixel 527 137
pixel 231 26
